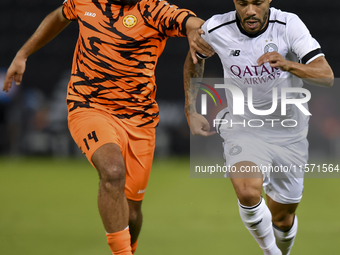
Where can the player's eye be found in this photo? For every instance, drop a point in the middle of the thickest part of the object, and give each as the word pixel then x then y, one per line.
pixel 257 3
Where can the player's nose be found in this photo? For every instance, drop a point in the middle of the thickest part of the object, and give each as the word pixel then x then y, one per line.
pixel 250 10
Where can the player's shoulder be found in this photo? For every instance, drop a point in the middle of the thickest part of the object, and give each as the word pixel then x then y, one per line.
pixel 149 3
pixel 79 2
pixel 219 20
pixel 283 17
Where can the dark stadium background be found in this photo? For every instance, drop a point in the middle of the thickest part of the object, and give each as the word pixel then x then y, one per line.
pixel 48 204
pixel 33 116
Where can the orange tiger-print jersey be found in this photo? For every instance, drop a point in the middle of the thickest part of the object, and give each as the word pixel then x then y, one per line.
pixel 116 55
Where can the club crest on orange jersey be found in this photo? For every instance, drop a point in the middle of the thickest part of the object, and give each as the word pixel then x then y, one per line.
pixel 130 21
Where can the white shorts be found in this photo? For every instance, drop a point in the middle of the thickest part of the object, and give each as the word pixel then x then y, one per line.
pixel 282 166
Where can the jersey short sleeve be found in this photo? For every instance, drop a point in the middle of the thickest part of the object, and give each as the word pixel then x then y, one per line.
pixel 301 42
pixel 69 11
pixel 205 37
pixel 170 20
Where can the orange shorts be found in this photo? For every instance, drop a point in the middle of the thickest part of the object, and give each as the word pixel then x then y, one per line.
pixel 92 128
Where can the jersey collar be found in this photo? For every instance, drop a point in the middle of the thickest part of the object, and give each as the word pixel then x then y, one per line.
pixel 248 34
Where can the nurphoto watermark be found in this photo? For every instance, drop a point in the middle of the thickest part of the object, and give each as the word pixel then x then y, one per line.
pixel 248 114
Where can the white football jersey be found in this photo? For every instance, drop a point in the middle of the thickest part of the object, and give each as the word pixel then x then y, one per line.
pixel 239 51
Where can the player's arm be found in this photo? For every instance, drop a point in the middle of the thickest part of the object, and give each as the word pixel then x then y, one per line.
pixel 317 72
pixel 51 26
pixel 197 123
pixel 196 42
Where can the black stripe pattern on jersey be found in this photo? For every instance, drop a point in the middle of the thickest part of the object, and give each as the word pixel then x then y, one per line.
pixel 222 25
pixel 310 55
pixel 277 21
pixel 219 126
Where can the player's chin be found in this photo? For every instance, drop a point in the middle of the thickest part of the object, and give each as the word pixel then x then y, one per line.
pixel 253 31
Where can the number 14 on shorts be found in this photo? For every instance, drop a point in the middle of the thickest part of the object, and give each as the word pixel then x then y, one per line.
pixel 90 136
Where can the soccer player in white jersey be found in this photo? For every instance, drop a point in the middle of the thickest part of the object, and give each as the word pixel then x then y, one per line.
pixel 262 48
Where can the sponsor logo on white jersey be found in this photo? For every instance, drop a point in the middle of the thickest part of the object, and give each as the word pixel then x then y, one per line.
pixel 234 53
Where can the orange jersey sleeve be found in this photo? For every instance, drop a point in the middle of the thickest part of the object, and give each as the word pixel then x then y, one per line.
pixel 116 55
pixel 69 10
pixel 168 18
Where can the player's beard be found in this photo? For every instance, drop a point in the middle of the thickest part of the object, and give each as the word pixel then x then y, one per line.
pixel 265 20
pixel 263 23
pixel 129 2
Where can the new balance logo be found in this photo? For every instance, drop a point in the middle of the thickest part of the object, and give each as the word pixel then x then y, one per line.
pixel 235 53
pixel 91 14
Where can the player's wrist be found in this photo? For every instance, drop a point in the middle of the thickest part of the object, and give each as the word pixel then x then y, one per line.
pixel 192 24
pixel 189 111
pixel 291 66
pixel 21 55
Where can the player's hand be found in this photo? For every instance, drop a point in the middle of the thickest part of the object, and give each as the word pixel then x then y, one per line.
pixel 15 72
pixel 275 60
pixel 197 44
pixel 199 125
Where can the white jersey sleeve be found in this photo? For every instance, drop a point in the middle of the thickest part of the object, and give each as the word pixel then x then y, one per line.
pixel 301 42
pixel 205 36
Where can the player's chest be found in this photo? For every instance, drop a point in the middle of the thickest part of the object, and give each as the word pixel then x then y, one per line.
pixel 244 51
pixel 247 52
pixel 115 23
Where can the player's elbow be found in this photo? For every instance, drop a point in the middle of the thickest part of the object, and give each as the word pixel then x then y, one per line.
pixel 330 82
pixel 329 79
pixel 325 80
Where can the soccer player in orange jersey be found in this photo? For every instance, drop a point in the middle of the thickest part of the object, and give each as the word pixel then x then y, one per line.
pixel 111 95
